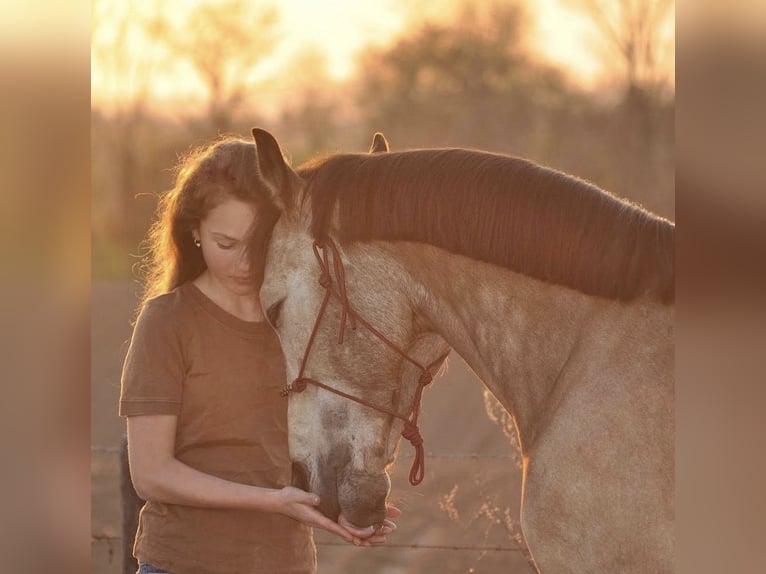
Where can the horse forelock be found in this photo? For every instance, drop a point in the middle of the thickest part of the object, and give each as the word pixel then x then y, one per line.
pixel 497 209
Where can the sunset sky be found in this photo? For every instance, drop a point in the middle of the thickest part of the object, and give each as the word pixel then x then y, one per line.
pixel 338 29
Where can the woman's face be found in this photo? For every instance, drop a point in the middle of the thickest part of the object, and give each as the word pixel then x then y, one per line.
pixel 223 234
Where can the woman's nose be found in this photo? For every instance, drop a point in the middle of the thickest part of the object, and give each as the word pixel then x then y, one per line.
pixel 243 262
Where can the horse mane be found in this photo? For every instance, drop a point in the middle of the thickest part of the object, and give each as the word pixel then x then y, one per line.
pixel 498 209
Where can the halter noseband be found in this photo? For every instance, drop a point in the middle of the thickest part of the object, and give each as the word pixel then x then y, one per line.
pixel 411 432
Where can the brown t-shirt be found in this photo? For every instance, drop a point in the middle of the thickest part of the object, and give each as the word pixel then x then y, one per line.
pixel 221 376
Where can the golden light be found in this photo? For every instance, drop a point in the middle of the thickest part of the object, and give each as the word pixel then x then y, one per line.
pixel 125 64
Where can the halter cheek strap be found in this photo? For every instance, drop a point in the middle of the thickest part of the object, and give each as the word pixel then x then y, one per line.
pixel 411 432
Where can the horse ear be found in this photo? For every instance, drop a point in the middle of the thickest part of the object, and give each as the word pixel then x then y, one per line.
pixel 274 169
pixel 379 143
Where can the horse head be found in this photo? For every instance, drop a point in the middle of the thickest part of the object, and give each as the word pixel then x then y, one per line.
pixel 359 390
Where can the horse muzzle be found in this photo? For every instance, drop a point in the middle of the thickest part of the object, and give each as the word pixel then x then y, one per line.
pixel 362 497
pixel 359 495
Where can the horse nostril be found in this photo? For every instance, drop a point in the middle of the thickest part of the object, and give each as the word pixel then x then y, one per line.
pixel 300 477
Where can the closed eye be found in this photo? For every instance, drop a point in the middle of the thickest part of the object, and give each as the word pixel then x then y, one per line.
pixel 272 313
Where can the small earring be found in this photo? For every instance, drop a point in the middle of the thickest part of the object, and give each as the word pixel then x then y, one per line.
pixel 197 243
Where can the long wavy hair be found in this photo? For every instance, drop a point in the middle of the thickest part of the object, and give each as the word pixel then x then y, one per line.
pixel 207 176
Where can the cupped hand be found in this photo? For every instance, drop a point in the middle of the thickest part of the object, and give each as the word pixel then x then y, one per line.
pixel 301 506
pixel 375 534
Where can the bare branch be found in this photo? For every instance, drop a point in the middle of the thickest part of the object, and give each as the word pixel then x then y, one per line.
pixel 223 43
pixel 633 30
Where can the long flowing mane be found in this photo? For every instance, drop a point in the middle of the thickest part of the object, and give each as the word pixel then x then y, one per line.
pixel 498 209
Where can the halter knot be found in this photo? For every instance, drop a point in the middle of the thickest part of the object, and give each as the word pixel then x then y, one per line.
pixel 425 379
pixel 412 433
pixel 324 279
pixel 298 385
pixel 417 470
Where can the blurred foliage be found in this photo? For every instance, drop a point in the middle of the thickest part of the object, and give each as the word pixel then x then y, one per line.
pixel 469 81
pixel 635 36
pixel 466 83
pixel 224 43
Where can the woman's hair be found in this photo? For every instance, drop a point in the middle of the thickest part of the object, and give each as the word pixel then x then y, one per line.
pixel 205 178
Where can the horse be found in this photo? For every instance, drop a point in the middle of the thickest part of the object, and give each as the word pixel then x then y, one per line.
pixel 556 293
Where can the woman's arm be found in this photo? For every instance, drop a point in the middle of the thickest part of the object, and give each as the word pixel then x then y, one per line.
pixel 157 475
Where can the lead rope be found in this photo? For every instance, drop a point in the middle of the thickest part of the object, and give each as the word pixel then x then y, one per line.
pixel 411 431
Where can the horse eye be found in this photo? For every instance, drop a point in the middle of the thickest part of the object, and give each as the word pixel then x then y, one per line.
pixel 272 313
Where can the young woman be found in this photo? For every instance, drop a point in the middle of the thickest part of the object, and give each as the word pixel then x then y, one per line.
pixel 207 429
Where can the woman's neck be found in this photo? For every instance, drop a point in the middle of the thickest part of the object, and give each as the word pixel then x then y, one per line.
pixel 243 306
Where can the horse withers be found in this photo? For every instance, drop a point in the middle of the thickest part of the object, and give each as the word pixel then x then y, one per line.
pixel 558 295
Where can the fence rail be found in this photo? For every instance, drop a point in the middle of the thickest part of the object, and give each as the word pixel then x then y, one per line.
pixel 406 455
pixel 109 539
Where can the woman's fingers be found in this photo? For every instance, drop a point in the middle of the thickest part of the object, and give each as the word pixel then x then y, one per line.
pixel 393 512
pixel 363 533
pixel 301 496
pixel 369 536
pixel 303 509
pixel 376 539
pixel 322 521
pixel 387 527
pixel 382 529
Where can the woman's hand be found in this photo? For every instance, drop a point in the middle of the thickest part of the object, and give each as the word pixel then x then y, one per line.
pixel 372 535
pixel 300 505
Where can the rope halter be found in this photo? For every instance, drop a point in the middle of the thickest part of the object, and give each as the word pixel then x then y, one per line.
pixel 337 288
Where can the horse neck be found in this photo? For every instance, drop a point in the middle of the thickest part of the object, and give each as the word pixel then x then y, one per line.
pixel 516 333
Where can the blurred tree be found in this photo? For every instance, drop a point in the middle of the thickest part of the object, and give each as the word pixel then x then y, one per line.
pixel 123 105
pixel 135 142
pixel 224 43
pixel 469 81
pixel 637 33
pixel 311 115
pixel 638 36
pixel 473 81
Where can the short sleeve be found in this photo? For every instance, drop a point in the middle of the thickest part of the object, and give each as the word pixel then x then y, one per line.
pixel 154 369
